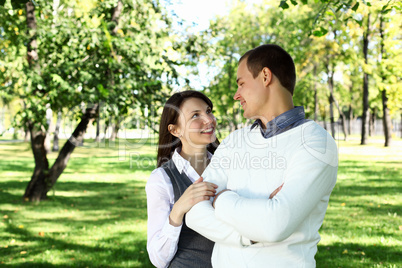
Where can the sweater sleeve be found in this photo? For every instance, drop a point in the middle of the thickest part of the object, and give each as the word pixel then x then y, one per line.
pixel 201 217
pixel 309 180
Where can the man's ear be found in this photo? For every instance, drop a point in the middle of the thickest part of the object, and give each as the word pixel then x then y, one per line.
pixel 266 76
pixel 173 130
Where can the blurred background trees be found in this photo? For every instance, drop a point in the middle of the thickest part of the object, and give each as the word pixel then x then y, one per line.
pixel 113 63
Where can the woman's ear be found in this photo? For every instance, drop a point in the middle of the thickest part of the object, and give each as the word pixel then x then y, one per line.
pixel 174 131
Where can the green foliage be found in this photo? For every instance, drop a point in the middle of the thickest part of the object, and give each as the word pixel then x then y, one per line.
pixel 85 57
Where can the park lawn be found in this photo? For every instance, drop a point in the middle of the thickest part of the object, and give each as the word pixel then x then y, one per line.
pixel 96 215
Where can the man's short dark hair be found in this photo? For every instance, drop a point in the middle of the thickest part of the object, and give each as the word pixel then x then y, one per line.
pixel 276 59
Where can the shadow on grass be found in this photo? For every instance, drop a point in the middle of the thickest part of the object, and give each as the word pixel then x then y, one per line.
pixel 102 256
pixel 356 255
pixel 101 204
pixel 356 210
pixel 22 166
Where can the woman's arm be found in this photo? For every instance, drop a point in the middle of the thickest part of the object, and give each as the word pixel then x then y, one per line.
pixel 162 236
pixel 164 223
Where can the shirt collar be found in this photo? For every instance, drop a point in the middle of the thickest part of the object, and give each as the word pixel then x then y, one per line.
pixel 282 121
pixel 181 163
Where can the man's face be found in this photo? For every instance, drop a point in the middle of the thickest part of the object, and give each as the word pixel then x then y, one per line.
pixel 251 92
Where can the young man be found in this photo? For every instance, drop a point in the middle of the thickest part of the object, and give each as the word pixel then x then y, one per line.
pixel 281 149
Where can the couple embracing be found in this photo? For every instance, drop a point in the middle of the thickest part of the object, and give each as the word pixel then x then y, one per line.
pixel 219 205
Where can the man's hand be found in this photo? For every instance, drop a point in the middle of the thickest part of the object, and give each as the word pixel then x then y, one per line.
pixel 216 196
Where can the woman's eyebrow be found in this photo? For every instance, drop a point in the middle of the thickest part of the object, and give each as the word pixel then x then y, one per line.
pixel 197 111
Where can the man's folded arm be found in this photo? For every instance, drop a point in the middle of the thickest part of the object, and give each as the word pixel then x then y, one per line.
pixel 306 184
pixel 201 218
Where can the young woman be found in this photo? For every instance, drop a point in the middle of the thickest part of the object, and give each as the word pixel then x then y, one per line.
pixel 186 143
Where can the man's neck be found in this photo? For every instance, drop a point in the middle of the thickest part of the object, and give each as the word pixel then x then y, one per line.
pixel 279 108
pixel 280 100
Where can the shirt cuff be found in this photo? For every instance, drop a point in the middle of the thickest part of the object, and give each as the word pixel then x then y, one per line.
pixel 171 231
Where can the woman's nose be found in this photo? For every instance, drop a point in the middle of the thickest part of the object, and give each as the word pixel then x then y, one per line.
pixel 208 119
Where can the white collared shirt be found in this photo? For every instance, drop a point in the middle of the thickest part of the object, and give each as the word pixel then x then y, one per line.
pixel 163 237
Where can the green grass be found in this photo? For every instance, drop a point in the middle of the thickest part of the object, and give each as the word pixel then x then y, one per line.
pixel 362 227
pixel 96 215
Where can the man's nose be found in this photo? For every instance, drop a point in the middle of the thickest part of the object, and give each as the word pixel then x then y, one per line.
pixel 236 95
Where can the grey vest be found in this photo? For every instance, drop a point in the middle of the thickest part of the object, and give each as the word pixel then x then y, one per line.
pixel 193 250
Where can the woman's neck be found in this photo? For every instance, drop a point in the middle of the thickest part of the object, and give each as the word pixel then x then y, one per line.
pixel 198 158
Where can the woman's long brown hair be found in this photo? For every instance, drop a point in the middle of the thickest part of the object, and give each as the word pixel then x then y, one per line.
pixel 171 111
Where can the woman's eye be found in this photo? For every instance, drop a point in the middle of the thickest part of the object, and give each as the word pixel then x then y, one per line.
pixel 194 116
pixel 209 111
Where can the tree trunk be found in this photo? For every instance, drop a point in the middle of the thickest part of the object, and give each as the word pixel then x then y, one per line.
pixel 114 26
pixel 331 115
pixel 350 120
pixel 49 115
pixel 332 100
pixel 372 123
pixel 44 178
pixel 115 130
pixel 56 133
pixel 365 114
pixel 27 133
pixel 97 138
pixel 113 134
pixel 315 94
pixel 386 118
pixel 351 115
pixel 32 54
pixel 105 130
pixel 116 12
pixel 35 190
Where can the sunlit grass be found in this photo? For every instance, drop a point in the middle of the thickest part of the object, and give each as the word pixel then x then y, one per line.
pixel 96 214
pixel 362 227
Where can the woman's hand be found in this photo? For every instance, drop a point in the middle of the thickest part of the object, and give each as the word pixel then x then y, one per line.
pixel 195 193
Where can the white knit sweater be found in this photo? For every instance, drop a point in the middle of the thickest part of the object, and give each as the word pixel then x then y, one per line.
pixel 305 159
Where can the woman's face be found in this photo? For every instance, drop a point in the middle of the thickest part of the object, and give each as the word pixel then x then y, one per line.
pixel 196 123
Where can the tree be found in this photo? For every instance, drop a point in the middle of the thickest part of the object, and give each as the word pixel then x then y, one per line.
pixel 388 60
pixel 360 12
pixel 84 56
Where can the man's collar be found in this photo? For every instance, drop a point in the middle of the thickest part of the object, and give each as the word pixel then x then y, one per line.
pixel 281 121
